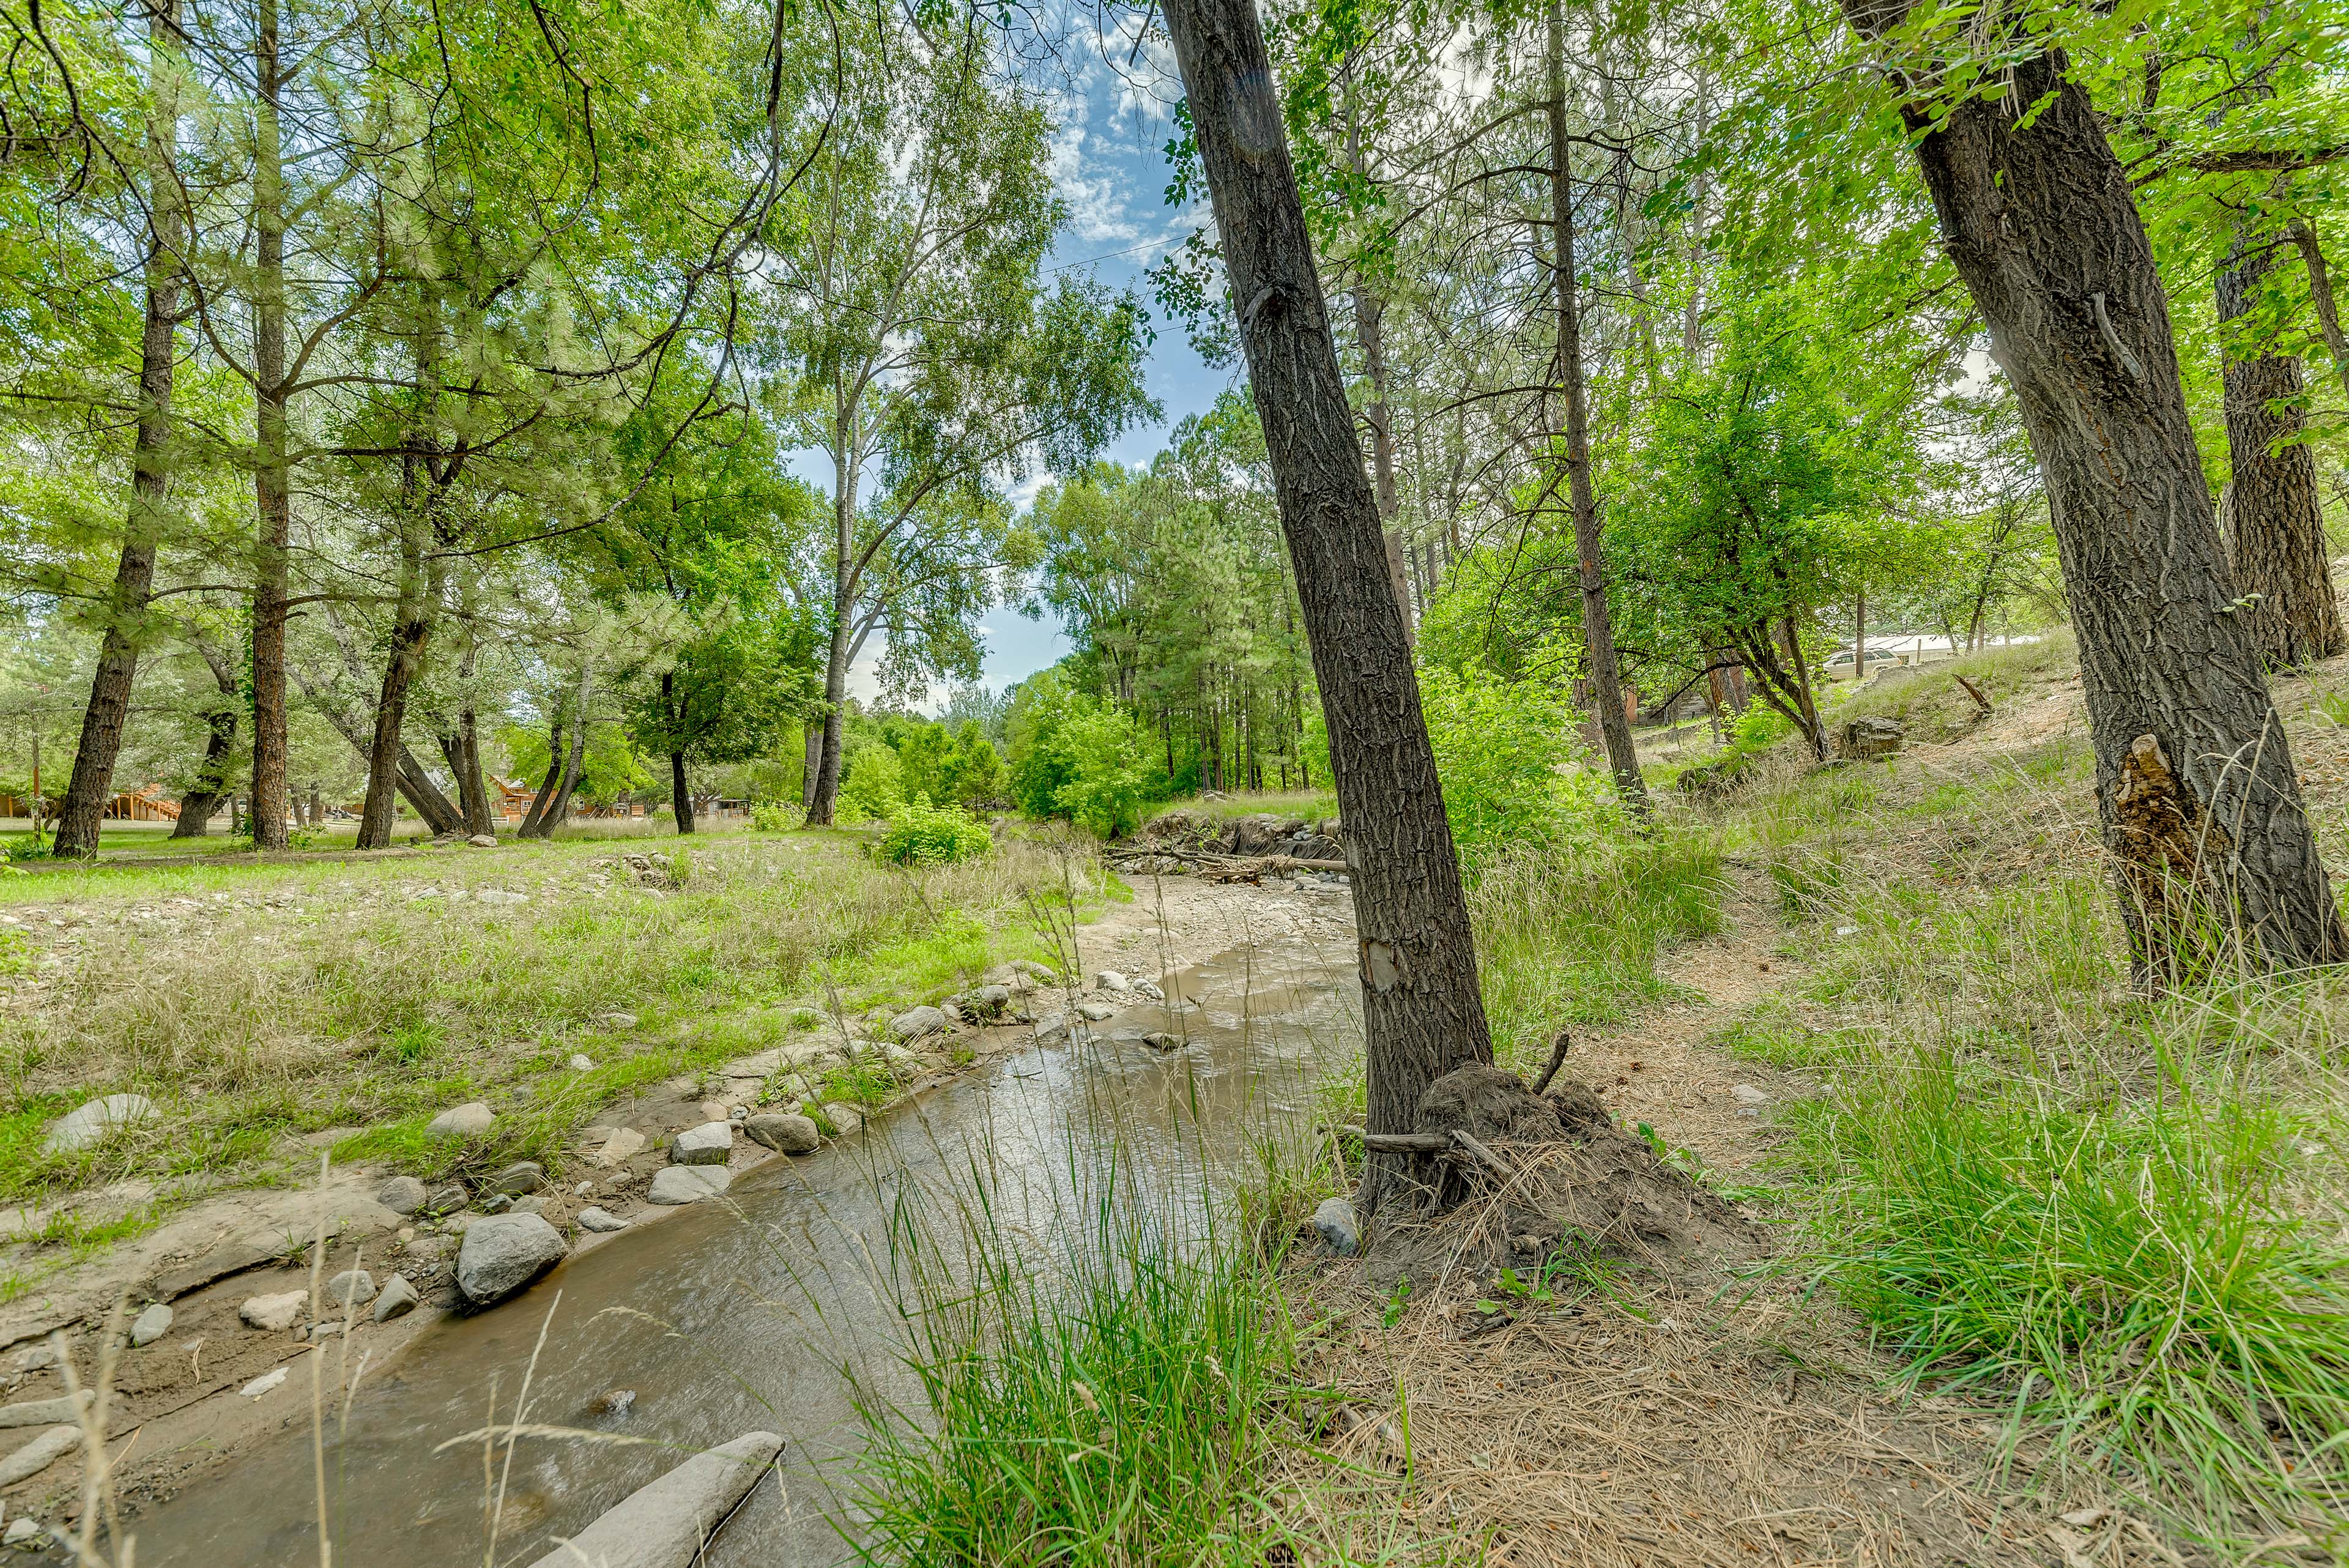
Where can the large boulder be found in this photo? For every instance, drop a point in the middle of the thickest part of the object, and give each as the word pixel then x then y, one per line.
pixel 667 1523
pixel 504 1252
pixel 98 1120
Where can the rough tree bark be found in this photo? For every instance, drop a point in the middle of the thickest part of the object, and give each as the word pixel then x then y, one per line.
pixel 538 803
pixel 681 797
pixel 2320 290
pixel 272 482
pixel 1597 624
pixel 411 629
pixel 2276 533
pixel 1423 1013
pixel 92 785
pixel 2190 756
pixel 197 806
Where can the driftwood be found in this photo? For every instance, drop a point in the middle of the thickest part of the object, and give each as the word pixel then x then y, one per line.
pixel 1216 866
pixel 1973 691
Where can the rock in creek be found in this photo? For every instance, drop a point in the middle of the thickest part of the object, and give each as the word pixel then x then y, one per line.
pixel 39 1454
pixel 1336 1222
pixel 402 1195
pixel 273 1315
pixel 504 1252
pixel 447 1200
pixel 151 1324
pixel 1108 980
pixel 845 1116
pixel 988 1001
pixel 20 1531
pixel 783 1133
pixel 708 1144
pixel 471 1119
pixel 398 1298
pixel 1162 1041
pixel 917 1024
pixel 677 1184
pixel 98 1121
pixel 1095 1012
pixel 596 1219
pixel 667 1523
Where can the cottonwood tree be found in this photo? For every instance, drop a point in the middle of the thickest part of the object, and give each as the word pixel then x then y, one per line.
pixel 1423 1012
pixel 2195 785
pixel 934 360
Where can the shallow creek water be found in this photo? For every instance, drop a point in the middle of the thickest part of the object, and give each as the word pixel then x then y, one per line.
pixel 721 1322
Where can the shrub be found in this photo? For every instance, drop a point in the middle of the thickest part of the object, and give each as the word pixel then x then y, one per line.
pixel 1502 749
pixel 1075 757
pixel 770 816
pixel 874 786
pixel 923 835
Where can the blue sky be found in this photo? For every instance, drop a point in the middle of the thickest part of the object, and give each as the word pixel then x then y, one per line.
pixel 1110 163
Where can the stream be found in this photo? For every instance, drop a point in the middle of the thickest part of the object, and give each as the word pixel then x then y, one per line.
pixel 721 1322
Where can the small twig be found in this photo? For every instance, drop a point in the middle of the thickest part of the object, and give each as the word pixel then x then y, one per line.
pixel 1476 1150
pixel 1556 1060
pixel 1973 691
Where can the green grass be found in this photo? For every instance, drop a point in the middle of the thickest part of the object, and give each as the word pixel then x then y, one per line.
pixel 1573 936
pixel 1306 804
pixel 375 993
pixel 2122 1218
pixel 1127 1408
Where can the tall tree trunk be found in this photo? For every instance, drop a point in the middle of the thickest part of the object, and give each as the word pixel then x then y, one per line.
pixel 844 609
pixel 197 806
pixel 680 798
pixel 2320 290
pixel 1859 637
pixel 1597 624
pixel 1369 315
pixel 2195 785
pixel 272 482
pixel 555 756
pixel 411 629
pixel 2276 539
pixel 1423 1012
pixel 92 785
pixel 558 811
pixel 813 765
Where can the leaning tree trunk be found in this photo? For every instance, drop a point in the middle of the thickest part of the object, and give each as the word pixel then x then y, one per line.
pixel 545 795
pixel 411 629
pixel 1423 1013
pixel 2195 786
pixel 272 481
pixel 197 806
pixel 1597 623
pixel 92 782
pixel 2276 540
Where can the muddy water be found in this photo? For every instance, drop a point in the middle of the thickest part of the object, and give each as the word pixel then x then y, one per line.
pixel 721 1322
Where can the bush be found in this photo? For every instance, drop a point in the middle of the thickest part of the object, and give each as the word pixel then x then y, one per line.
pixel 923 835
pixel 770 816
pixel 1075 757
pixel 873 785
pixel 1502 749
